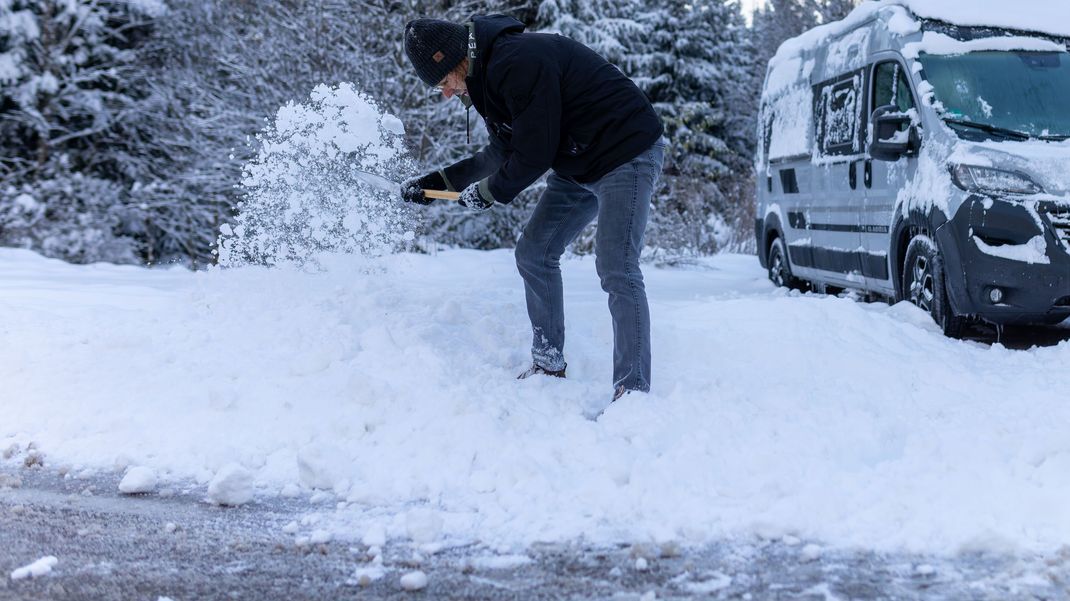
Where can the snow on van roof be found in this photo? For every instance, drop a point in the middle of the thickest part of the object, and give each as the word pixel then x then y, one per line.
pixel 1042 16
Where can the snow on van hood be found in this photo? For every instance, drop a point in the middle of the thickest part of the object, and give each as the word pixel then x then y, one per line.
pixel 938 43
pixel 1047 163
pixel 1041 16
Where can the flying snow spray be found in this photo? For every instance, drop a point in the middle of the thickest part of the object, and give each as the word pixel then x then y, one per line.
pixel 303 193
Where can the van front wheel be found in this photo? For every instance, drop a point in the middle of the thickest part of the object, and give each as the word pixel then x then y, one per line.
pixel 924 285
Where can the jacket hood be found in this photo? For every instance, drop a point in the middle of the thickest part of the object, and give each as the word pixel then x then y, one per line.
pixel 485 30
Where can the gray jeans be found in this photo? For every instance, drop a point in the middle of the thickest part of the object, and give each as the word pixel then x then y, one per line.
pixel 621 202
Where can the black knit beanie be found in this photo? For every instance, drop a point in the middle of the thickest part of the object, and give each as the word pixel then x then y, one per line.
pixel 435 47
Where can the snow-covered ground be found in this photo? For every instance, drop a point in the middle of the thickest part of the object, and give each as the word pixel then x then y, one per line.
pixel 822 418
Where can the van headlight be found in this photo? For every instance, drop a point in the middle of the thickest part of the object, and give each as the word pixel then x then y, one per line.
pixel 988 180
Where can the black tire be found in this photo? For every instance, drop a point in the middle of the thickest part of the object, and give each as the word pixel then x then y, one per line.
pixel 780 269
pixel 924 285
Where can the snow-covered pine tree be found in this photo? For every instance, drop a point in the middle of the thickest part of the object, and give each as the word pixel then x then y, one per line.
pixel 64 102
pixel 834 10
pixel 700 81
pixel 778 20
pixel 616 29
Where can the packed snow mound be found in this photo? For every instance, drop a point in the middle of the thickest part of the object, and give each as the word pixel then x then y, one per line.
pixel 829 420
pixel 304 194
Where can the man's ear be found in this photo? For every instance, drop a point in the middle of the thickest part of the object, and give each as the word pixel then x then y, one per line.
pixel 462 69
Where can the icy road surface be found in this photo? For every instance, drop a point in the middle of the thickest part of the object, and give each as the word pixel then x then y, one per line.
pixel 392 393
pixel 176 547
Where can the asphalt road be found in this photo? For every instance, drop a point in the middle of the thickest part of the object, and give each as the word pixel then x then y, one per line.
pixel 178 547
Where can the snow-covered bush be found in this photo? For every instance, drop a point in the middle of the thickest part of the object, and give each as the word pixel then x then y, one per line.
pixel 65 214
pixel 65 98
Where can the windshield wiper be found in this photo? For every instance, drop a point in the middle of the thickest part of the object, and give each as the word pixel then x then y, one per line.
pixel 1007 133
pixel 992 129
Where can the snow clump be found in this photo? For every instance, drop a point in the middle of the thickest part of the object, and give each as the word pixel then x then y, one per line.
pixel 36 569
pixel 232 485
pixel 414 581
pixel 138 480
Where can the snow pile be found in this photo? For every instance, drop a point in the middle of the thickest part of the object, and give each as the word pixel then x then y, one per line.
pixel 39 568
pixel 304 194
pixel 825 419
pixel 138 480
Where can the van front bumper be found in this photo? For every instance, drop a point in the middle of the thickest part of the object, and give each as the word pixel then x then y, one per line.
pixel 993 247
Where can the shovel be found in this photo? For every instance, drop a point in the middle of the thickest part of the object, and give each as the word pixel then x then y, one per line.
pixel 382 183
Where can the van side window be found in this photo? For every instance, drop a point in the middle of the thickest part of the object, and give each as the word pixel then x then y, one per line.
pixel 890 86
pixel 768 118
pixel 839 108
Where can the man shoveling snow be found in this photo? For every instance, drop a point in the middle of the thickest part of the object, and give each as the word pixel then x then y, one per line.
pixel 552 104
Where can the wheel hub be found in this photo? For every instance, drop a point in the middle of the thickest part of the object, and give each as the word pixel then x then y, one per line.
pixel 922 288
pixel 776 269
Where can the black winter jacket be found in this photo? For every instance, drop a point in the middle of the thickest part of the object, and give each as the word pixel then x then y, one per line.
pixel 548 102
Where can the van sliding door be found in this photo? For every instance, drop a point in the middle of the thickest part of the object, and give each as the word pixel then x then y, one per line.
pixel 840 195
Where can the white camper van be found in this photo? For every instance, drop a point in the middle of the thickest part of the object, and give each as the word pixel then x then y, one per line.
pixel 918 150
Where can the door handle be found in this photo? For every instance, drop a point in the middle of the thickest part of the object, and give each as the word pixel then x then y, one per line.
pixel 868 178
pixel 852 175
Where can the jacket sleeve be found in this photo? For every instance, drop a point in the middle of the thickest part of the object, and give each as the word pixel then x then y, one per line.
pixel 532 94
pixel 461 174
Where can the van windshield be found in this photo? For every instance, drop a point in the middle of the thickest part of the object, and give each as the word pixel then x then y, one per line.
pixel 1002 95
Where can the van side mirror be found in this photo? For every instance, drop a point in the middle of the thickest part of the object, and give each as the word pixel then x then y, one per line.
pixel 891 140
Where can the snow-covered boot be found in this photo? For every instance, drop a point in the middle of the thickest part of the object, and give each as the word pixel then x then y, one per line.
pixel 618 392
pixel 537 369
pixel 622 391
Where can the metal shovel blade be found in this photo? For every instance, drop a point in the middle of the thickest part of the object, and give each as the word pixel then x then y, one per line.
pixel 386 185
pixel 380 182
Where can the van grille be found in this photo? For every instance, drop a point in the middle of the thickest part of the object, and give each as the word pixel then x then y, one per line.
pixel 1060 222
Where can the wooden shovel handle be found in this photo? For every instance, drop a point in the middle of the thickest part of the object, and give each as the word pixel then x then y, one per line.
pixel 442 194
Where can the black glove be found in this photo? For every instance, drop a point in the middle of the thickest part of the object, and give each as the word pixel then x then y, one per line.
pixel 474 200
pixel 413 190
